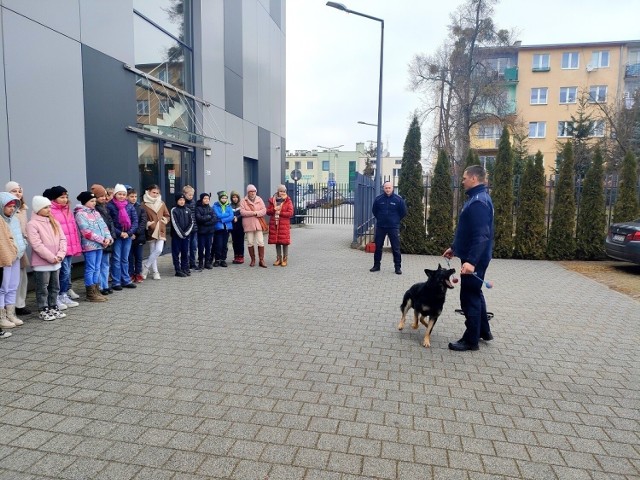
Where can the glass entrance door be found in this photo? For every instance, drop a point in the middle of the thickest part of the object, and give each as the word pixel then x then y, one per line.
pixel 176 172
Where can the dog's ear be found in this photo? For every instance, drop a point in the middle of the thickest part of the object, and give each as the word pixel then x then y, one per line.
pixel 439 267
pixel 428 272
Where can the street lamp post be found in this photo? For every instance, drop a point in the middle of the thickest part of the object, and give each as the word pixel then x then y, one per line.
pixel 378 176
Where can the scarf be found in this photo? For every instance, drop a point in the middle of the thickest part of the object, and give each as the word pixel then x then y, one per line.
pixel 278 201
pixel 223 206
pixel 154 204
pixel 123 216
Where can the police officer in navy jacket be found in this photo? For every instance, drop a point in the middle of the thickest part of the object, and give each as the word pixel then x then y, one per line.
pixel 389 209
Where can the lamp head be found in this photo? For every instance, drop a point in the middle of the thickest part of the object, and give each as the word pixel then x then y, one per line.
pixel 337 5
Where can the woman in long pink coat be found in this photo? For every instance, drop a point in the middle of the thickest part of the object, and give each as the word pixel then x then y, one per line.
pixel 253 210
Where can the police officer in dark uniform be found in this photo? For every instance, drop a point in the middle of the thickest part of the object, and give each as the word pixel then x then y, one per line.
pixel 389 209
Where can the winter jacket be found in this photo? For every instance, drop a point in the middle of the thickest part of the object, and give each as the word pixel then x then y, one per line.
pixel 141 232
pixel 389 210
pixel 64 216
pixel 131 211
pixel 8 247
pixel 46 244
pixel 159 220
pixel 191 205
pixel 205 218
pixel 22 216
pixel 473 240
pixel 101 208
pixel 225 217
pixel 93 229
pixel 13 223
pixel 181 222
pixel 280 227
pixel 248 210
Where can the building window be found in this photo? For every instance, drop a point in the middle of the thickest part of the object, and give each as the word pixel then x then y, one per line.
pixel 597 129
pixel 286 165
pixel 396 172
pixel 325 165
pixel 565 129
pixel 298 165
pixel 398 162
pixel 597 94
pixel 491 130
pixel 309 165
pixel 568 94
pixel 600 59
pixel 541 62
pixel 163 106
pixel 539 96
pixel 143 107
pixel 570 60
pixel 537 129
pixel 487 161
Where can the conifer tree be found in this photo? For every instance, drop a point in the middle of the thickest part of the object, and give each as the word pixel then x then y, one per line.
pixel 592 220
pixel 412 233
pixel 530 233
pixel 440 221
pixel 561 244
pixel 502 196
pixel 626 207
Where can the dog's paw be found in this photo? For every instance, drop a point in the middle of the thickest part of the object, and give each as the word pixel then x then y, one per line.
pixel 400 325
pixel 414 325
pixel 426 343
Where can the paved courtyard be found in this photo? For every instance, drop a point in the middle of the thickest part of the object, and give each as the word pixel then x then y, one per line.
pixel 300 373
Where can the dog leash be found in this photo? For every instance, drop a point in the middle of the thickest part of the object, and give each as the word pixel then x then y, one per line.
pixel 486 283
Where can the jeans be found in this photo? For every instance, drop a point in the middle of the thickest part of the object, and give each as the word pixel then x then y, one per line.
pixel 155 250
pixel 221 244
pixel 65 274
pixel 193 248
pixel 92 265
pixel 47 288
pixel 180 253
pixel 120 261
pixel 394 238
pixel 135 259
pixel 105 268
pixel 9 286
pixel 205 240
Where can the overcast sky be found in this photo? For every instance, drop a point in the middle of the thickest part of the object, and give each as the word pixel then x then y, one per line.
pixel 333 58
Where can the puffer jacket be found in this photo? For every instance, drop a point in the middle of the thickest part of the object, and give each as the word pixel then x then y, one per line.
pixel 8 247
pixel 205 218
pixel 225 217
pixel 101 208
pixel 280 229
pixel 46 244
pixel 13 223
pixel 64 216
pixel 191 205
pixel 141 232
pixel 131 211
pixel 93 229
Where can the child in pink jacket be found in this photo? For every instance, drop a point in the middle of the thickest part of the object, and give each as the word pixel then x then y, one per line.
pixel 48 250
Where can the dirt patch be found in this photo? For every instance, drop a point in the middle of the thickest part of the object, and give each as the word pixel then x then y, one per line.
pixel 619 276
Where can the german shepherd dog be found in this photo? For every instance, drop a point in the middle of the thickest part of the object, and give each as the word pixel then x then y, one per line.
pixel 427 298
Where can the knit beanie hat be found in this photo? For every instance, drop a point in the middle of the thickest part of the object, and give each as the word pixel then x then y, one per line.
pixel 84 197
pixel 221 194
pixel 54 192
pixel 119 188
pixel 202 195
pixel 179 196
pixel 38 203
pixel 251 188
pixel 98 190
pixel 10 186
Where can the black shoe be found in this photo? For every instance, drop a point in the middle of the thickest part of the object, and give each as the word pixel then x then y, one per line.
pixel 180 273
pixel 117 288
pixel 216 263
pixel 130 285
pixel 109 290
pixel 461 346
pixel 223 263
pixel 187 272
pixel 398 271
pixel 192 266
pixel 105 291
pixel 23 311
pixel 375 268
pixel 487 337
pixel 197 268
pixel 208 266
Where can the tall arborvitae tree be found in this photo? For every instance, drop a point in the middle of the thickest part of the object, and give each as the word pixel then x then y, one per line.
pixel 440 221
pixel 592 219
pixel 470 159
pixel 530 233
pixel 562 244
pixel 626 207
pixel 412 235
pixel 502 196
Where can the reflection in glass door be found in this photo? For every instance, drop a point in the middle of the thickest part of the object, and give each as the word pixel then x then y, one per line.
pixel 176 172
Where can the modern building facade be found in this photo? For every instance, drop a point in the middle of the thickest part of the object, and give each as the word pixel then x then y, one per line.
pixel 171 92
pixel 551 80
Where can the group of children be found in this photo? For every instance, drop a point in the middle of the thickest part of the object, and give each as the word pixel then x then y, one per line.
pixel 110 228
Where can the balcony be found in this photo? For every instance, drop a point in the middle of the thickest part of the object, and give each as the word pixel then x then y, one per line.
pixel 511 74
pixel 632 70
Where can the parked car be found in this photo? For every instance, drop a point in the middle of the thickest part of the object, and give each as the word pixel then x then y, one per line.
pixel 327 200
pixel 623 241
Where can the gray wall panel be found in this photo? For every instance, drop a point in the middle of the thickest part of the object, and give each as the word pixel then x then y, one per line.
pixel 62 15
pixel 110 106
pixel 233 36
pixel 44 105
pixel 264 168
pixel 275 10
pixel 98 20
pixel 233 92
pixel 4 134
pixel 209 64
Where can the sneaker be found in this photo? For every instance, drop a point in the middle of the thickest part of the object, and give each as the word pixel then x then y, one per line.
pixel 61 305
pixel 129 285
pixel 145 272
pixel 73 295
pixel 56 312
pixel 156 275
pixel 223 263
pixel 4 334
pixel 64 298
pixel 117 288
pixel 180 273
pixel 46 315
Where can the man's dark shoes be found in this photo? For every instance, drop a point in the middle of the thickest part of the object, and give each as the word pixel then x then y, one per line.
pixel 487 337
pixel 117 288
pixel 23 311
pixel 461 346
pixel 130 285
pixel 398 271
pixel 180 273
pixel 223 263
pixel 375 268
